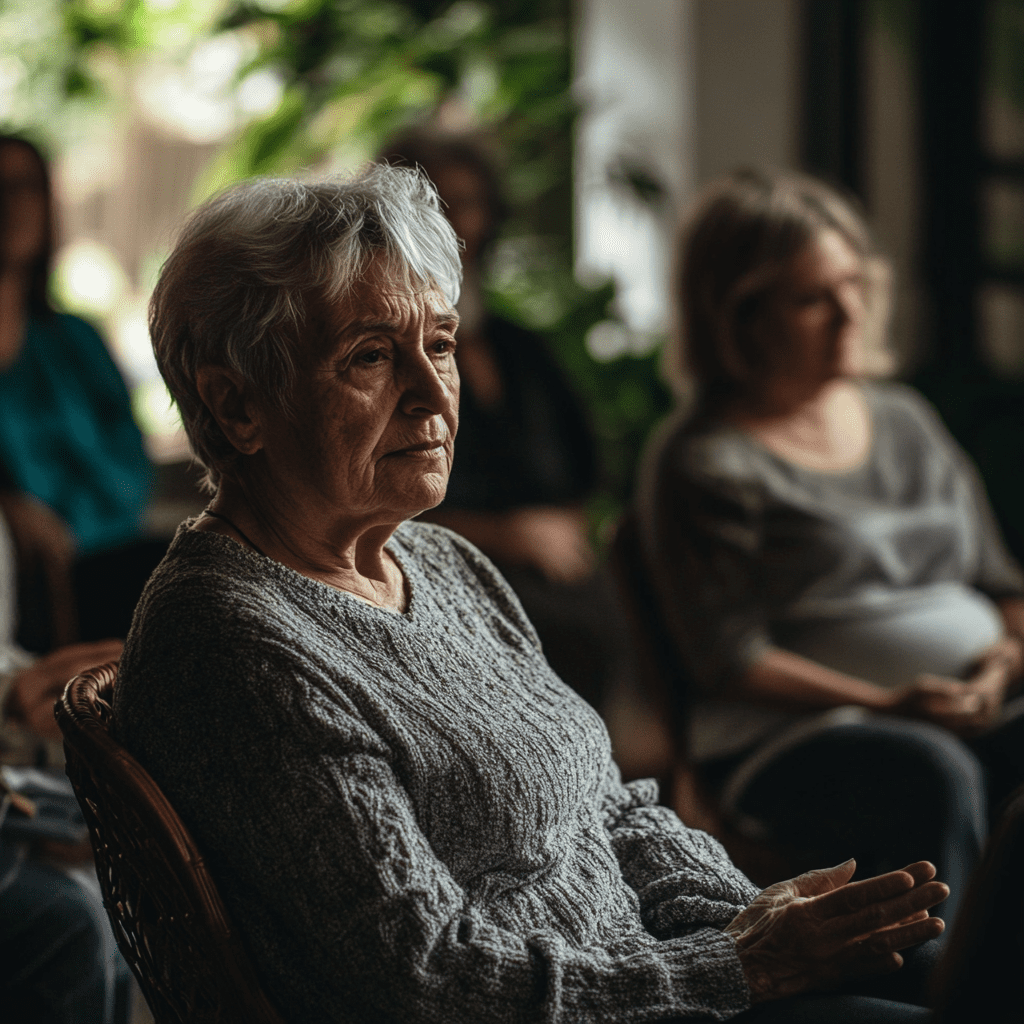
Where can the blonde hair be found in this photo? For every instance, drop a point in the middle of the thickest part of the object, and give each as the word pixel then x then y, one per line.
pixel 734 248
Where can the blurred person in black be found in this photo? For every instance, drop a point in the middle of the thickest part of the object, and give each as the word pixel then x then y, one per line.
pixel 527 460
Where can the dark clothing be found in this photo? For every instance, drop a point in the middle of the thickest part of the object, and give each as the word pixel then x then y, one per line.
pixel 885 791
pixel 51 951
pixel 982 973
pixel 535 447
pixel 831 1009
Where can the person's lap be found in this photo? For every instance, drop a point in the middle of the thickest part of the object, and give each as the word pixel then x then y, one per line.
pixel 835 1009
pixel 52 965
pixel 887 791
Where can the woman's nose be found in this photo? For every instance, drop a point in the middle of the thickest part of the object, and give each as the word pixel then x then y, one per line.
pixel 425 390
pixel 850 298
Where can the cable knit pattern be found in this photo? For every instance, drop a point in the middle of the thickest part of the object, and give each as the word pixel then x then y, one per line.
pixel 410 817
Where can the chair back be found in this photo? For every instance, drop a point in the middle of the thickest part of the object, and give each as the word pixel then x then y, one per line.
pixel 167 915
pixel 665 679
pixel 664 675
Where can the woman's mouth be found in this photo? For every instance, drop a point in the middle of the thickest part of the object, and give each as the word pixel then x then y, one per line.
pixel 425 450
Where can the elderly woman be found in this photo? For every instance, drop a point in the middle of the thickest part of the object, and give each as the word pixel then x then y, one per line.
pixel 410 817
pixel 824 552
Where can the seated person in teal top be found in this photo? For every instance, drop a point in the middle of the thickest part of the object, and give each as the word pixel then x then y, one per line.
pixel 75 479
pixel 67 435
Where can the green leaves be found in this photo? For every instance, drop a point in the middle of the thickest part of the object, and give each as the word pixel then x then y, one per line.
pixel 323 84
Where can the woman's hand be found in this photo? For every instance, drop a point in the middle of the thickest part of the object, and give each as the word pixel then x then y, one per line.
pixel 947 702
pixel 34 689
pixel 964 707
pixel 818 930
pixel 39 532
pixel 553 540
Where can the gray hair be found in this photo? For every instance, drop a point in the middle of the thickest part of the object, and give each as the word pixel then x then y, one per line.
pixel 254 264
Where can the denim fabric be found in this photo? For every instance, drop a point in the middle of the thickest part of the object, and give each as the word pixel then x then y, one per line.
pixel 52 964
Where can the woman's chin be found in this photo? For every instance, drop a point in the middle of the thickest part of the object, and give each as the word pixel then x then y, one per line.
pixel 428 495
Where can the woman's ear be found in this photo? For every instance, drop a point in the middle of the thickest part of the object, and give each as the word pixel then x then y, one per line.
pixel 224 393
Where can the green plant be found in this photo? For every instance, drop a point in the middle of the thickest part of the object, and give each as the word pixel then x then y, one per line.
pixel 349 74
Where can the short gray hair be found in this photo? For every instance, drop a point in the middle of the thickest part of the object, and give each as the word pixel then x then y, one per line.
pixel 252 263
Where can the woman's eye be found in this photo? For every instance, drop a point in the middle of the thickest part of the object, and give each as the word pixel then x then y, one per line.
pixel 444 346
pixel 371 357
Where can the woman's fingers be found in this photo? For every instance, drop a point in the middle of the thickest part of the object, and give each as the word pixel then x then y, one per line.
pixel 892 939
pixel 921 915
pixel 887 912
pixel 823 880
pixel 866 893
pixel 921 871
pixel 857 895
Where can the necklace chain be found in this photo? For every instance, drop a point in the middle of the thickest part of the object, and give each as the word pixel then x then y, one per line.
pixel 241 533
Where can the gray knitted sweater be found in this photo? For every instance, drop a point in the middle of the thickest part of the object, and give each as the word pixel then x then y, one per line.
pixel 409 816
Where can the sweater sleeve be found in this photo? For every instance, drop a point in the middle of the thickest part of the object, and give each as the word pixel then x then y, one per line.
pixel 315 842
pixel 683 877
pixel 997 573
pixel 703 546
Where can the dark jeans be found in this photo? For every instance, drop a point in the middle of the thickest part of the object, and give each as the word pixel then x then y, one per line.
pixel 835 1009
pixel 887 791
pixel 52 961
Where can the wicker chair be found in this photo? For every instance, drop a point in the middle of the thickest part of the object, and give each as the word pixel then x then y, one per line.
pixel 167 915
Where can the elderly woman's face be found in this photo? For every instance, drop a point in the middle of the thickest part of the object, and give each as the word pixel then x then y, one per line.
pixel 377 407
pixel 815 317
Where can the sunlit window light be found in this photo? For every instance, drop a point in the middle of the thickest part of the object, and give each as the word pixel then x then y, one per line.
pixel 12 74
pixel 158 419
pixel 260 92
pixel 88 278
pixel 214 63
pixel 129 338
pixel 607 340
pixel 170 100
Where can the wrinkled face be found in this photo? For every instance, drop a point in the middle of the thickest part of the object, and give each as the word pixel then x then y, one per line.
pixel 815 317
pixel 24 205
pixel 376 403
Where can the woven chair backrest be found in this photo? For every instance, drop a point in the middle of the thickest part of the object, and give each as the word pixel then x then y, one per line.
pixel 167 915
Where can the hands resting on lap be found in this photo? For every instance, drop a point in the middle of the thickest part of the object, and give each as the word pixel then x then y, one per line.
pixel 965 707
pixel 819 930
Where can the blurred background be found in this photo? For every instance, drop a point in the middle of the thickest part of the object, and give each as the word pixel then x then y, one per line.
pixel 606 116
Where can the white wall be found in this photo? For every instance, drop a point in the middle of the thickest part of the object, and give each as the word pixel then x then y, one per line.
pixel 746 76
pixel 688 89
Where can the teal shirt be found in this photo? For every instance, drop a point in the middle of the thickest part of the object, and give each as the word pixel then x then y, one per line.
pixel 67 434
